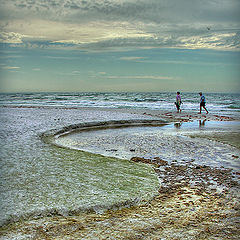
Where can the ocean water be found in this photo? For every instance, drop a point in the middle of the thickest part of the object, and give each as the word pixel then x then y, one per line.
pixel 225 103
pixel 39 179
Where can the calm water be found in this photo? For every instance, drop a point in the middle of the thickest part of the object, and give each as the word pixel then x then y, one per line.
pixel 181 142
pixel 224 103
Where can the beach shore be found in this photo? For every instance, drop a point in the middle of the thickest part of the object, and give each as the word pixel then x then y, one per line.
pixel 194 201
pixel 173 116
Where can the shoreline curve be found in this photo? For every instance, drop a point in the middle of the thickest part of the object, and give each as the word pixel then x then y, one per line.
pixel 50 135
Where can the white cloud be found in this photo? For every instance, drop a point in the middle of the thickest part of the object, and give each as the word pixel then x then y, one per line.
pixel 11 37
pixel 76 72
pixel 142 77
pixel 11 67
pixel 69 33
pixel 135 59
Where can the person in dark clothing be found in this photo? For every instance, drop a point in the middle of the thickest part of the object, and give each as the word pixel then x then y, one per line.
pixel 202 103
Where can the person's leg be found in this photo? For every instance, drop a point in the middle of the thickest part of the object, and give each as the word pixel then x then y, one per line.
pixel 178 107
pixel 205 110
pixel 200 110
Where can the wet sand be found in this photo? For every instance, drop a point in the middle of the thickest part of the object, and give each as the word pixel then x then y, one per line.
pixel 189 206
pixel 194 202
pixel 162 114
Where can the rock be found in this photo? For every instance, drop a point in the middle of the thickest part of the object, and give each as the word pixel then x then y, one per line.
pixel 111 150
pixel 137 159
pixel 161 162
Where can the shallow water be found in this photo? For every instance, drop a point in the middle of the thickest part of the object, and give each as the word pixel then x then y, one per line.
pixel 181 142
pixel 39 179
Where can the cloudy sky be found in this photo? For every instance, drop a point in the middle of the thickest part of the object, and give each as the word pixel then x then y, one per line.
pixel 119 45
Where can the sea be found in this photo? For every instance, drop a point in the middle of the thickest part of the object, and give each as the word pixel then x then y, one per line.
pixel 44 178
pixel 225 103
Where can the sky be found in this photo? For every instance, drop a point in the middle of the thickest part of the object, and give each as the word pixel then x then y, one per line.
pixel 119 45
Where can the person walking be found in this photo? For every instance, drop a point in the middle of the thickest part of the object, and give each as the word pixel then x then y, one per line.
pixel 178 102
pixel 202 103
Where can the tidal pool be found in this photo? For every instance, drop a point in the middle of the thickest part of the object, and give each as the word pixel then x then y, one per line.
pixel 198 141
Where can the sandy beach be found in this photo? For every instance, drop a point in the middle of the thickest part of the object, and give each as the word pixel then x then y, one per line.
pixel 192 201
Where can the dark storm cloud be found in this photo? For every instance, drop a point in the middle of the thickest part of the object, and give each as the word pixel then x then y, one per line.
pixel 152 23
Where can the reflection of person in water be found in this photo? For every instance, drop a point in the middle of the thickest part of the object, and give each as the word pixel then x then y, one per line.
pixel 202 123
pixel 177 125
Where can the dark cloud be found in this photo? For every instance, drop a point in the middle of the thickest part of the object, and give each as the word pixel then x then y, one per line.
pixel 157 11
pixel 165 23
